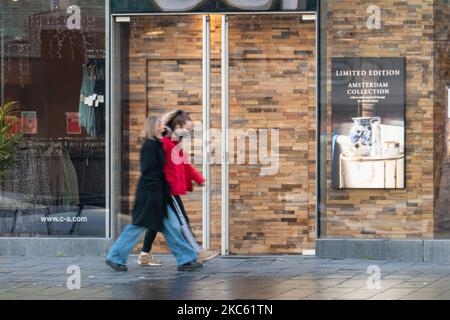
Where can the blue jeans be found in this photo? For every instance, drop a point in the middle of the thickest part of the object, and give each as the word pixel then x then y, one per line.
pixel 131 235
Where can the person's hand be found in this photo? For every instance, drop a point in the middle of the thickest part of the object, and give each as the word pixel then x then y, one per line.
pixel 202 184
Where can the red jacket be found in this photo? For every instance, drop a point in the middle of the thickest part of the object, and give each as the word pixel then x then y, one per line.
pixel 178 171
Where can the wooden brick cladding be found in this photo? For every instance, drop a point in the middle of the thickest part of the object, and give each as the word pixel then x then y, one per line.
pixel 272 86
pixel 408 30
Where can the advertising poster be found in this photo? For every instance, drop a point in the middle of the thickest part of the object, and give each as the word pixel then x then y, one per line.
pixel 368 123
pixel 29 122
pixel 72 123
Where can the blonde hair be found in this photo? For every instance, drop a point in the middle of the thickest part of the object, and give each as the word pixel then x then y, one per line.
pixel 150 126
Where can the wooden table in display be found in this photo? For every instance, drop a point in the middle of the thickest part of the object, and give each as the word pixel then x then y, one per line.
pixel 371 172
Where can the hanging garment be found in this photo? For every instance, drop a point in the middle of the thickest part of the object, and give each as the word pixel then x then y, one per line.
pixel 53 162
pixel 88 158
pixel 99 109
pixel 68 181
pixel 86 114
pixel 92 98
pixel 28 181
pixel 71 176
pixel 43 179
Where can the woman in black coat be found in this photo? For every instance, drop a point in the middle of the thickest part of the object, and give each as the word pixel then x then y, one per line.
pixel 152 190
pixel 151 210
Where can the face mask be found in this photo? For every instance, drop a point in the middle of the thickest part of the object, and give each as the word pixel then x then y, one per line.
pixel 179 134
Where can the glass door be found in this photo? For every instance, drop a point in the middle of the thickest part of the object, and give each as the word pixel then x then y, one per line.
pixel 163 63
pixel 269 102
pixel 248 82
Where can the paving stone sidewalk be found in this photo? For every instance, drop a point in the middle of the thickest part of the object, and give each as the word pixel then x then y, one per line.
pixel 266 277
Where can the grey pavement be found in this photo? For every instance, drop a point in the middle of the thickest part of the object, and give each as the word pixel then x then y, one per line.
pixel 234 277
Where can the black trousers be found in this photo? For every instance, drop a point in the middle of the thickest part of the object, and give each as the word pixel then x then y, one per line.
pixel 150 235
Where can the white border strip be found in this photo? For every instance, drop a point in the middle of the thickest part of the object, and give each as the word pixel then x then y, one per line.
pixel 225 142
pixel 109 210
pixel 206 68
pixel 2 67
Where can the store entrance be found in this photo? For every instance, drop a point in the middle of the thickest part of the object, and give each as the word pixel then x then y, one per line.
pixel 248 82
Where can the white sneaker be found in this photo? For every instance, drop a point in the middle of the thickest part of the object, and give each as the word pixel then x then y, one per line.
pixel 147 259
pixel 207 255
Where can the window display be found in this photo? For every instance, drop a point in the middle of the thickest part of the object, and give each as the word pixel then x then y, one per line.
pixel 53 56
pixel 383 160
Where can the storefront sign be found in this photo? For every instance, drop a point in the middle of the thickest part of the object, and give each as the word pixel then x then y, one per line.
pixel 368 134
pixel 215 6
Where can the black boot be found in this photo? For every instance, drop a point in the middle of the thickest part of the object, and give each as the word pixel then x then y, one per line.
pixel 116 266
pixel 190 266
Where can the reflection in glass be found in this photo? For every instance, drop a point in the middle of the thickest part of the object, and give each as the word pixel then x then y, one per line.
pixel 53 62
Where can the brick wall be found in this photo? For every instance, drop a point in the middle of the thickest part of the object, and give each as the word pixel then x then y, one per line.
pixel 272 85
pixel 407 31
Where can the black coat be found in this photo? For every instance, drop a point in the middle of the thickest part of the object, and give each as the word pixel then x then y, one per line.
pixel 153 191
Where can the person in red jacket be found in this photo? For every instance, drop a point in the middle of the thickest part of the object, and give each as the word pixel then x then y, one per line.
pixel 180 175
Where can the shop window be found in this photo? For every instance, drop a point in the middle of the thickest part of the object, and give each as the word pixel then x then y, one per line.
pixel 384 165
pixel 53 67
